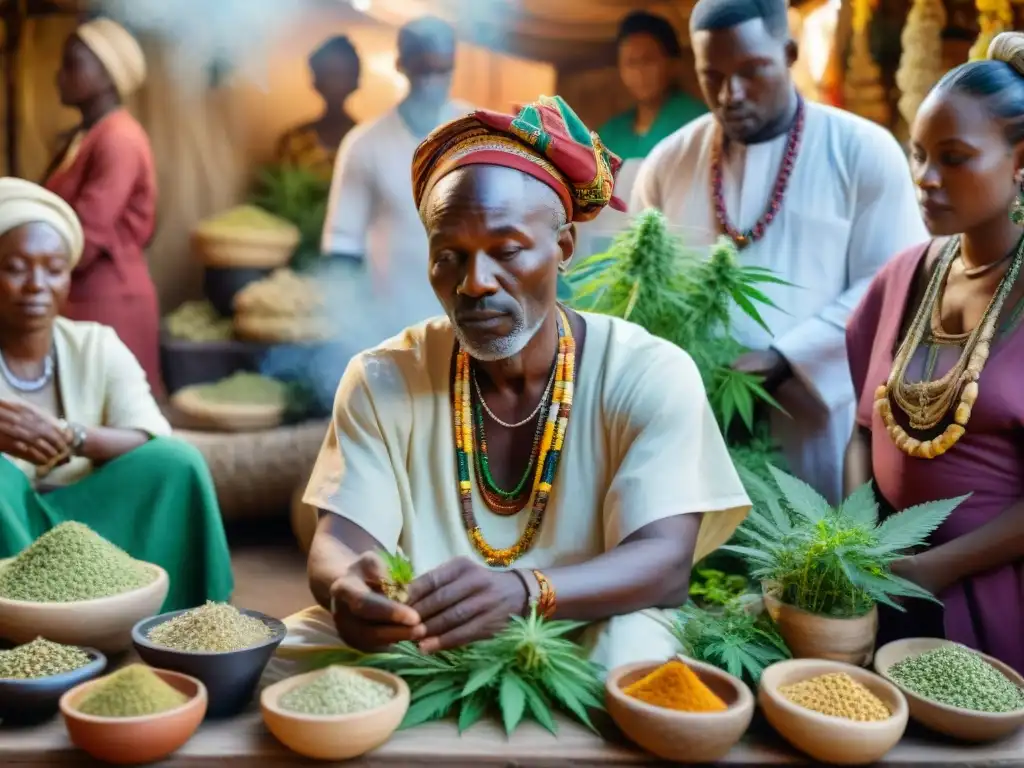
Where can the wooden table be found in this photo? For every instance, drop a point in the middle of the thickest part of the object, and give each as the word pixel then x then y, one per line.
pixel 244 741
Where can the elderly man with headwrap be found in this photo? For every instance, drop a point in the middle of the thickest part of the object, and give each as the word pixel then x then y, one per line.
pixel 81 437
pixel 106 173
pixel 519 453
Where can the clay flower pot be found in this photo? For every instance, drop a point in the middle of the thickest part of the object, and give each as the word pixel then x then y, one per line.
pixel 810 636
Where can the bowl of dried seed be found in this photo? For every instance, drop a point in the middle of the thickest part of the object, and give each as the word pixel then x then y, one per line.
pixel 74 587
pixel 135 715
pixel 835 712
pixel 35 675
pixel 224 647
pixel 954 690
pixel 335 713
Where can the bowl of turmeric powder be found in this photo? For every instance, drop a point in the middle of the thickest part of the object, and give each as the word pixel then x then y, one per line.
pixel 836 713
pixel 680 710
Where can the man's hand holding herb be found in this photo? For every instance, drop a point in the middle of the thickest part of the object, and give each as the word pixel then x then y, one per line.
pixel 462 601
pixel 366 619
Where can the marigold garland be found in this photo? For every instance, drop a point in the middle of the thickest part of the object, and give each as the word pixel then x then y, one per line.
pixel 552 440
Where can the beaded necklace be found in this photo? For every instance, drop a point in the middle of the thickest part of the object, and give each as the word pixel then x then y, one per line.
pixel 927 403
pixel 552 438
pixel 756 232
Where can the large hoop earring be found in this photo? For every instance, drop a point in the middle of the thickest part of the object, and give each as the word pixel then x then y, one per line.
pixel 563 266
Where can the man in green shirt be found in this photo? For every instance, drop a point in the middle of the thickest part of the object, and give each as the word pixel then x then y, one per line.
pixel 648 50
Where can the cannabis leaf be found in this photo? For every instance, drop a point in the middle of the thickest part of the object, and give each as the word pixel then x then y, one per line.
pixel 831 561
pixel 527 670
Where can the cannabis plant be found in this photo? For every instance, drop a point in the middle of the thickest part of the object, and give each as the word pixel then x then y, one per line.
pixel 530 669
pixel 831 561
pixel 735 639
pixel 650 278
pixel 300 196
pixel 711 587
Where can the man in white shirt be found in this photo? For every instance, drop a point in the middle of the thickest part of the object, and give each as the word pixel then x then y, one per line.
pixel 820 196
pixel 371 217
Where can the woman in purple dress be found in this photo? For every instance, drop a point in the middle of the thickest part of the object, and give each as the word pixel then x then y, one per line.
pixel 936 352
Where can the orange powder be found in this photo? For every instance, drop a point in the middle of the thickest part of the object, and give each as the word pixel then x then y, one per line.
pixel 674 685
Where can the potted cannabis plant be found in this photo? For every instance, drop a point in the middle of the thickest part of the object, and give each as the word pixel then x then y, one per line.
pixel 825 569
pixel 651 278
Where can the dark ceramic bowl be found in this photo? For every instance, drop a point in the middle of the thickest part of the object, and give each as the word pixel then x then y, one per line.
pixel 230 677
pixel 25 702
pixel 221 284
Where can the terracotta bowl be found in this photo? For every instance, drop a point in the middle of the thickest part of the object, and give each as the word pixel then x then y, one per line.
pixel 105 624
pixel 809 636
pixel 135 740
pixel 831 739
pixel 334 737
pixel 682 737
pixel 25 702
pixel 964 724
pixel 230 677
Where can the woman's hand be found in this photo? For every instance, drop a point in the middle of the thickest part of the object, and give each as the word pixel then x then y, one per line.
pixel 461 601
pixel 924 572
pixel 365 618
pixel 30 434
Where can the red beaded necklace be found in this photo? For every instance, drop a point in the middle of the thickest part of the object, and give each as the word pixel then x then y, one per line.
pixel 756 232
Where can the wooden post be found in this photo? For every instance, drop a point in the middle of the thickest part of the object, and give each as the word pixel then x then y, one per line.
pixel 14 17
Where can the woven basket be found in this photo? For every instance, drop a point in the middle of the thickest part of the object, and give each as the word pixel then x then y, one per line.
pixel 256 474
pixel 226 417
pixel 256 249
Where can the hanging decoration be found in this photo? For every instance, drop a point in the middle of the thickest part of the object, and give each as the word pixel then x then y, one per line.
pixel 994 16
pixel 921 64
pixel 864 93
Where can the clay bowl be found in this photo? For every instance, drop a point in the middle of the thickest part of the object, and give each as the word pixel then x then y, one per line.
pixel 682 737
pixel 334 737
pixel 809 636
pixel 26 702
pixel 135 740
pixel 105 624
pixel 831 739
pixel 963 724
pixel 230 677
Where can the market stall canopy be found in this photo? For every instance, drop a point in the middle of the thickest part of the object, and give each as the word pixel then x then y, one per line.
pixel 567 33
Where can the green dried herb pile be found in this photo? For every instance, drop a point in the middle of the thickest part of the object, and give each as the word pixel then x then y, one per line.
pixel 959 678
pixel 41 658
pixel 211 628
pixel 337 691
pixel 69 563
pixel 133 691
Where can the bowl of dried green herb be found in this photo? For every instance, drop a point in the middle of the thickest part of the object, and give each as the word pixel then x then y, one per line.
pixel 335 713
pixel 135 715
pixel 225 647
pixel 954 690
pixel 35 675
pixel 74 587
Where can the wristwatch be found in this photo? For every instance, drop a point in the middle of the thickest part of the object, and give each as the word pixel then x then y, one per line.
pixel 77 433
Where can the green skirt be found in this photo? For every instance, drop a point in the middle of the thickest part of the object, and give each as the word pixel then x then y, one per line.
pixel 157 503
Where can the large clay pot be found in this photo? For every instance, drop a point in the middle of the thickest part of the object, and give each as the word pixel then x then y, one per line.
pixel 810 636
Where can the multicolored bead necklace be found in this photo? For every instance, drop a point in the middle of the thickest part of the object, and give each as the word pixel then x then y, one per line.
pixel 498 500
pixel 743 239
pixel 552 438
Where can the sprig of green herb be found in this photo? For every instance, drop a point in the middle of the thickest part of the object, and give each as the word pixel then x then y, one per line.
pixel 713 587
pixel 529 670
pixel 400 575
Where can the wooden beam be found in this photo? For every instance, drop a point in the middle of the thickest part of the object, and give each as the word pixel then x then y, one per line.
pixel 14 17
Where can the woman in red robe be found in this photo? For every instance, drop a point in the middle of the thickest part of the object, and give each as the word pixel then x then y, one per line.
pixel 107 174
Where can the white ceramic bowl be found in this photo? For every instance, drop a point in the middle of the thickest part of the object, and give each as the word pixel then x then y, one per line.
pixel 104 624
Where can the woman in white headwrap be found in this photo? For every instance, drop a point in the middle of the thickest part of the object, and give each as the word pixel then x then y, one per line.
pixel 78 420
pixel 106 173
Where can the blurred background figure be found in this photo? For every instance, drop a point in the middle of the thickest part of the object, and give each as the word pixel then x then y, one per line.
pixel 371 216
pixel 106 172
pixel 335 70
pixel 648 57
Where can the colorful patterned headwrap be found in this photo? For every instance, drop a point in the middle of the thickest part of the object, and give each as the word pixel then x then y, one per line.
pixel 545 140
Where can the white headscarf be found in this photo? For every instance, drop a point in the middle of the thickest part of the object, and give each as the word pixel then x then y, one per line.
pixel 118 51
pixel 22 202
